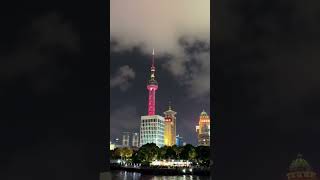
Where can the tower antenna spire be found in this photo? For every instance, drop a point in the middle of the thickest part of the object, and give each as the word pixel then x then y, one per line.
pixel 153 57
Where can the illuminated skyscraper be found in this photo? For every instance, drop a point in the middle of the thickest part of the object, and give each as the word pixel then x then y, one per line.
pixel 152 126
pixel 126 139
pixel 203 130
pixel 169 127
pixel 300 170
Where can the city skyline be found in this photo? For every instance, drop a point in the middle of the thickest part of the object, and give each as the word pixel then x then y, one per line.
pixel 168 91
pixel 181 40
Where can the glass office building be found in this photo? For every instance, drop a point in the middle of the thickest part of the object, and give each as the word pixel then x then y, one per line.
pixel 152 130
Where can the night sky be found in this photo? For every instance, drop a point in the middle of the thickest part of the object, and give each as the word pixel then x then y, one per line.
pixel 182 61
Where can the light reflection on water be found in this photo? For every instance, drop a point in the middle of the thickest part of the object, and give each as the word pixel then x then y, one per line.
pixel 124 175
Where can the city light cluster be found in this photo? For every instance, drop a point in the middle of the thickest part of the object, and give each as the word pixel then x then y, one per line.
pixel 172 163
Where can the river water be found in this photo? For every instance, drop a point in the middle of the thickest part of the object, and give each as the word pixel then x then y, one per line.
pixel 124 175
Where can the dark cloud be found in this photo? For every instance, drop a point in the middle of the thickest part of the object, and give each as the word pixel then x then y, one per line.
pixel 124 119
pixel 141 25
pixel 122 78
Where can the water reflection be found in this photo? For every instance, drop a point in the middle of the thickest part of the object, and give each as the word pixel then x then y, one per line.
pixel 124 175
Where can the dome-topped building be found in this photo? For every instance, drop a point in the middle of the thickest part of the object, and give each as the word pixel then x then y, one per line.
pixel 300 169
pixel 203 129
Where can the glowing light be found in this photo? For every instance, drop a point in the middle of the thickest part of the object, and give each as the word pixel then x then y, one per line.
pixel 172 163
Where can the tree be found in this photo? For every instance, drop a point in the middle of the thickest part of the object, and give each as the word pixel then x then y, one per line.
pixel 203 155
pixel 162 152
pixel 127 152
pixel 170 153
pixel 118 152
pixel 136 158
pixel 192 154
pixel 147 153
pixel 188 152
pixel 177 151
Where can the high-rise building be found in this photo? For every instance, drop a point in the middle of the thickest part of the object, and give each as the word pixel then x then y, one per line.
pixel 300 169
pixel 125 139
pixel 169 127
pixel 152 130
pixel 152 126
pixel 135 139
pixel 203 129
pixel 179 140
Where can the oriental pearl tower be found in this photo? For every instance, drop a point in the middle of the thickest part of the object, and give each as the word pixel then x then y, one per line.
pixel 152 88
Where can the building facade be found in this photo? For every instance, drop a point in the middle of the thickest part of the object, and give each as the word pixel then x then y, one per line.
pixel 152 125
pixel 135 139
pixel 125 139
pixel 300 169
pixel 169 127
pixel 203 129
pixel 152 130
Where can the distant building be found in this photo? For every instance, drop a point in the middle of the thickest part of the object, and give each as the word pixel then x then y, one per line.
pixel 300 169
pixel 179 140
pixel 117 142
pixel 169 127
pixel 125 139
pixel 135 139
pixel 203 129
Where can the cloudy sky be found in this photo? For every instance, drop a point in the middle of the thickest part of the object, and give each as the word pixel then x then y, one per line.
pixel 179 31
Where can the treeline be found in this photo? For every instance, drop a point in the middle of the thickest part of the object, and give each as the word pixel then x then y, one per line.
pixel 147 153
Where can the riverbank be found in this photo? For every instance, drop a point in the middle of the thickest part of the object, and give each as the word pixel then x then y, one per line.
pixel 164 171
